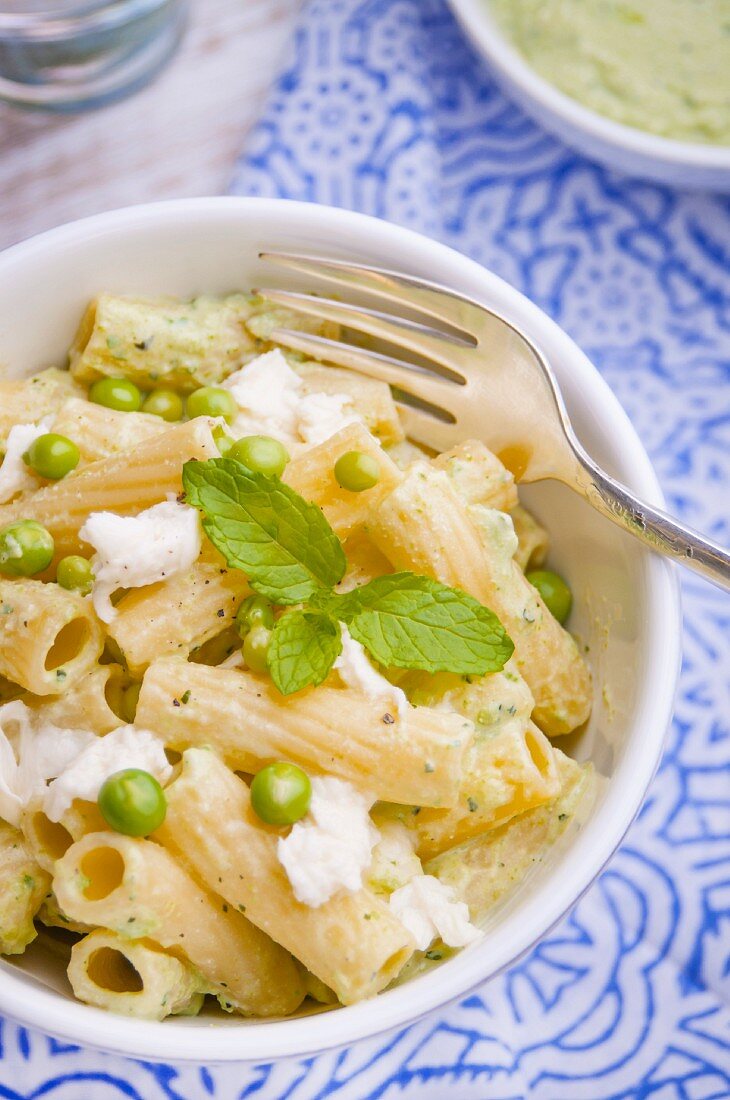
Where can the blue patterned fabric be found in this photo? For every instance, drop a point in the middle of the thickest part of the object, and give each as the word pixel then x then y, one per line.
pixel 385 109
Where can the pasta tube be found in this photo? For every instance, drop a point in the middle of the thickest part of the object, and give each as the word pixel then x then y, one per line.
pixel 424 526
pixel 136 889
pixel 50 638
pixel 27 400
pixel 484 869
pixel 177 615
pixel 532 539
pixel 371 399
pixel 125 484
pixel 161 341
pixel 312 475
pixel 364 562
pixel 329 730
pixel 506 772
pixel 51 916
pixel 50 840
pixel 99 432
pixel 352 942
pixel 23 885
pixel 477 476
pixel 89 704
pixel 132 977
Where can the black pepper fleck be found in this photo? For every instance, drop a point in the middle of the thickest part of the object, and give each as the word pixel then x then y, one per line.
pixel 388 719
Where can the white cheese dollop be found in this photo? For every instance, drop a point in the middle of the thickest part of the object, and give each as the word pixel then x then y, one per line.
pixel 321 415
pixel 356 671
pixel 271 402
pixel 331 846
pixel 132 551
pixel 428 909
pixel 15 476
pixel 267 392
pixel 125 747
pixel 32 751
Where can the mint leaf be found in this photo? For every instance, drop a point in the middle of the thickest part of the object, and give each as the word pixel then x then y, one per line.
pixel 281 542
pixel 408 621
pixel 302 650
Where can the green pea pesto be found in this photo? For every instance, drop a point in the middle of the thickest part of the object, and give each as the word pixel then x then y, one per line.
pixel 656 65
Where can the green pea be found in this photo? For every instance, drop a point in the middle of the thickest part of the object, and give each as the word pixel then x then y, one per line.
pixel 357 471
pixel 132 802
pixel 164 403
pixel 212 401
pixel 222 441
pixel 262 454
pixel 26 548
pixel 254 611
pixel 52 456
pixel 129 700
pixel 116 393
pixel 75 573
pixel 281 793
pixel 555 593
pixel 256 648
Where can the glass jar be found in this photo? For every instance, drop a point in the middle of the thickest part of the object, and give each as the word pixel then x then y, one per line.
pixel 70 55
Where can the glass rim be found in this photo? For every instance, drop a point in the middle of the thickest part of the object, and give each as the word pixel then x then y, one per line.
pixel 48 25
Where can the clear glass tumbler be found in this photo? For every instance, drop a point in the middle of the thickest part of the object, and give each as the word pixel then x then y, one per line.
pixel 70 55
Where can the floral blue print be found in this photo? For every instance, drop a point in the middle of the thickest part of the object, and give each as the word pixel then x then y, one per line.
pixel 386 109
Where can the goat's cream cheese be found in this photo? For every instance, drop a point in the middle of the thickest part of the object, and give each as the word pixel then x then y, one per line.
pixel 330 848
pixel 125 747
pixel 15 476
pixel 267 393
pixel 429 909
pixel 322 415
pixel 356 671
pixel 32 751
pixel 132 551
pixel 271 402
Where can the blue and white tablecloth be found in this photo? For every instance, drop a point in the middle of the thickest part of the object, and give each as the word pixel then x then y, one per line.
pixel 384 108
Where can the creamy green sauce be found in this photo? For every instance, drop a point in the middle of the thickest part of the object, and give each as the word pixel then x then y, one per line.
pixel 658 65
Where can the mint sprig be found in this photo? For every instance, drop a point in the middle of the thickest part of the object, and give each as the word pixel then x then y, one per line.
pixel 290 554
pixel 408 621
pixel 283 544
pixel 304 646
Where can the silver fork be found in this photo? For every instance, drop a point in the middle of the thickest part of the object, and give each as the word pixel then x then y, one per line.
pixel 477 377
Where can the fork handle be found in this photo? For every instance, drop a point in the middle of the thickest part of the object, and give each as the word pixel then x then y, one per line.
pixel 654 528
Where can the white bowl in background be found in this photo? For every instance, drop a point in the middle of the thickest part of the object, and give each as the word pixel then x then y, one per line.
pixel 627 605
pixel 636 152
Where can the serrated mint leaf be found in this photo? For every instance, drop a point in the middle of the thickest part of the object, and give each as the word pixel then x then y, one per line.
pixel 303 648
pixel 282 543
pixel 408 621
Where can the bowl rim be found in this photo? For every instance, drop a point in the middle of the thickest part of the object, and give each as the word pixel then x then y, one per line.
pixel 592 847
pixel 506 58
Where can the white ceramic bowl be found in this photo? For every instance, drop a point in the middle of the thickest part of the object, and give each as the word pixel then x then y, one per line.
pixel 637 152
pixel 627 600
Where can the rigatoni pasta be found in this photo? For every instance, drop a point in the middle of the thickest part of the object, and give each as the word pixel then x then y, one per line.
pixel 423 525
pixel 50 639
pixel 133 977
pixel 23 886
pixel 246 720
pixel 177 615
pixel 28 400
pixel 100 432
pixel 351 943
pixel 124 484
pixel 275 691
pixel 136 889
